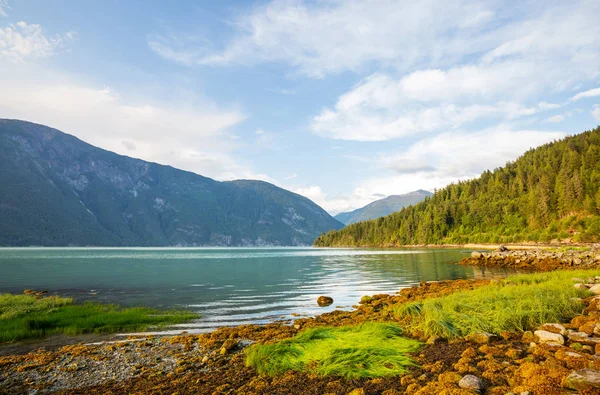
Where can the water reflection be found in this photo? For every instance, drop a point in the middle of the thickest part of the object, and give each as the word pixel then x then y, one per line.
pixel 228 286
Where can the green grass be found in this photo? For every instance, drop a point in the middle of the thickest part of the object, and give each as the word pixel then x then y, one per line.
pixel 518 303
pixel 24 317
pixel 366 350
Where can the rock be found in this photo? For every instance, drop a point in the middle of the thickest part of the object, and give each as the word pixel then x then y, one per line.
pixel 584 338
pixel 324 300
pixel 434 339
pixel 470 382
pixel 580 286
pixel 365 299
pixel 549 337
pixel 228 345
pixel 554 328
pixel 502 248
pixel 528 337
pixel 296 326
pixel 595 289
pixel 583 379
pixel 476 255
pixel 357 391
pixel 481 337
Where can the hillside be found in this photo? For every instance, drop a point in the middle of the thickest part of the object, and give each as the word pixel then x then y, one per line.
pixel 382 207
pixel 58 191
pixel 551 192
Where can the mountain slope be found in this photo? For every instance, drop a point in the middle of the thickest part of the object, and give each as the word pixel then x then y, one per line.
pixel 551 192
pixel 58 190
pixel 382 207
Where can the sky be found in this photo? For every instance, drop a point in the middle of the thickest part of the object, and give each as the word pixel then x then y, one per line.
pixel 342 101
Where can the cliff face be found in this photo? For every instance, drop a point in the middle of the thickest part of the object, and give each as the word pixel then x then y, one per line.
pixel 58 190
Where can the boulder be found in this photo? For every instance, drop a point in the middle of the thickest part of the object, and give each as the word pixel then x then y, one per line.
pixel 584 379
pixel 554 328
pixel 595 289
pixel 476 255
pixel 580 286
pixel 549 337
pixel 324 300
pixel 470 382
pixel 502 248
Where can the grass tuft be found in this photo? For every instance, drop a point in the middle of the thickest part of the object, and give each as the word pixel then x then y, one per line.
pixel 24 317
pixel 518 303
pixel 362 351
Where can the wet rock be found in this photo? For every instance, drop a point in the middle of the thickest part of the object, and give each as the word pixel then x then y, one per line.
pixel 583 379
pixel 228 345
pixel 476 255
pixel 549 337
pixel 324 300
pixel 470 382
pixel 481 337
pixel 554 328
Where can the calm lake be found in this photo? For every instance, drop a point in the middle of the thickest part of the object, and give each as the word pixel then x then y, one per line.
pixel 228 286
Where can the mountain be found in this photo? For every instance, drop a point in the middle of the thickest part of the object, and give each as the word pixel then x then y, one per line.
pixel 57 190
pixel 549 193
pixel 382 207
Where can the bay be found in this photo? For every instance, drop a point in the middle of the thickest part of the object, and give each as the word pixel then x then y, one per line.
pixel 228 286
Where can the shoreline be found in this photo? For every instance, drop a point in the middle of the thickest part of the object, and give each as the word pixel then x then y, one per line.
pixel 213 362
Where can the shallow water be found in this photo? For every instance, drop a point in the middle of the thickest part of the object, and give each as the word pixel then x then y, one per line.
pixel 228 286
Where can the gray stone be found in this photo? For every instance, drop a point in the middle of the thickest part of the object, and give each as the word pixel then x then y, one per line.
pixel 470 382
pixel 595 289
pixel 583 379
pixel 549 337
pixel 476 255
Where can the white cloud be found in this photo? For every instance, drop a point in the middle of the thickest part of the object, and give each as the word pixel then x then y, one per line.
pixel 325 37
pixel 596 112
pixel 193 138
pixel 555 119
pixel 332 36
pixel 436 162
pixel 505 83
pixel 4 7
pixel 589 93
pixel 21 41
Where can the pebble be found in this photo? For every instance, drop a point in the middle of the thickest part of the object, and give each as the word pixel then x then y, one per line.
pixel 471 382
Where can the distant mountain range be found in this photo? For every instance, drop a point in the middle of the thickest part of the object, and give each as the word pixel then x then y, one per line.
pixel 56 190
pixel 382 207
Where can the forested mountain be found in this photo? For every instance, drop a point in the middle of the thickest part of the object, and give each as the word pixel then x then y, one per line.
pixel 56 190
pixel 551 192
pixel 382 207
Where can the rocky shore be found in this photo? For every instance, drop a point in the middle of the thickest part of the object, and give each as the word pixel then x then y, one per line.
pixel 537 259
pixel 557 358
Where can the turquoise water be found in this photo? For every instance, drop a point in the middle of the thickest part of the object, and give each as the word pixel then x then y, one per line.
pixel 228 286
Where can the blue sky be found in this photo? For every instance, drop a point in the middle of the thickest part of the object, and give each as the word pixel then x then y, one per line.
pixel 344 102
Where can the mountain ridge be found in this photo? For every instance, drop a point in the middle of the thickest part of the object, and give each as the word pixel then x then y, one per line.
pixel 549 193
pixel 63 191
pixel 382 207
